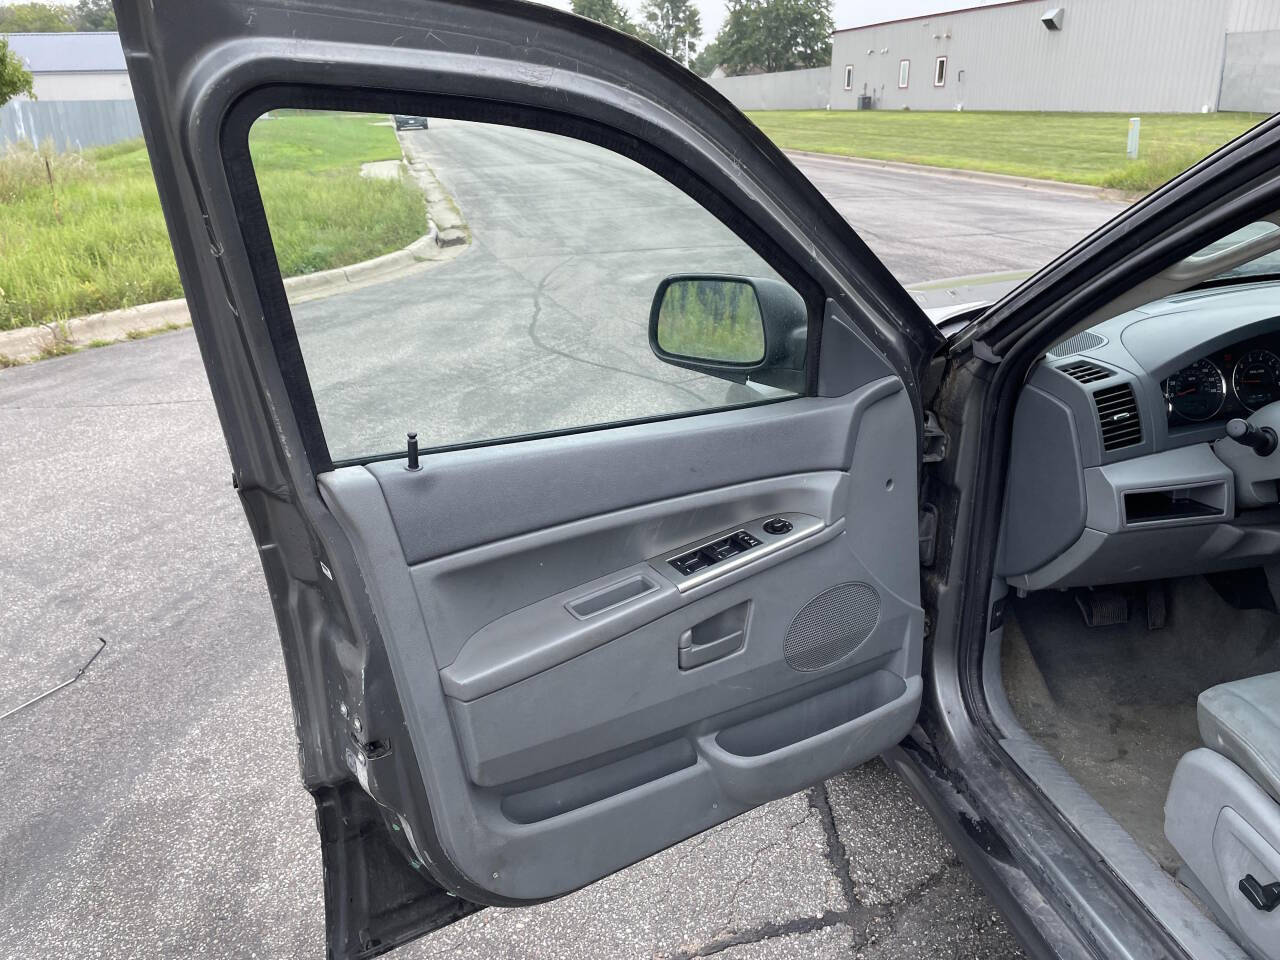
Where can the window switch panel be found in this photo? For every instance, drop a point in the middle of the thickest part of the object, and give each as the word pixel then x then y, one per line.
pixel 732 549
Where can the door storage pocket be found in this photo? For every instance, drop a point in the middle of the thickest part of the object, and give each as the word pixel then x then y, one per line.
pixel 808 718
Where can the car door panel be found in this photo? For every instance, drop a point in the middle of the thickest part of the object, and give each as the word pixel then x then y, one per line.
pixel 587 732
pixel 451 710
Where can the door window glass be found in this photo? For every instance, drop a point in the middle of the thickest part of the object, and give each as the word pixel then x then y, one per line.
pixel 500 281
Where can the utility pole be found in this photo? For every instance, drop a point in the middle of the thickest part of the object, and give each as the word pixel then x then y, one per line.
pixel 671 26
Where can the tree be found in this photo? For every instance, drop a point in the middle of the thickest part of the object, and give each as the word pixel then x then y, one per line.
pixel 773 35
pixel 705 63
pixel 673 26
pixel 15 78
pixel 35 18
pixel 608 12
pixel 95 15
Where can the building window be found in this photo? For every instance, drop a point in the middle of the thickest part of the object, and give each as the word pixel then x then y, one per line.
pixel 940 72
pixel 904 73
pixel 848 77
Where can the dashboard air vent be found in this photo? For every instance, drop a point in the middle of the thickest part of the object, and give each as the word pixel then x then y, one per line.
pixel 1118 417
pixel 1085 340
pixel 1086 372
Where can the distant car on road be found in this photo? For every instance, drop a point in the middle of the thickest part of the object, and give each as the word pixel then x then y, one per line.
pixel 405 122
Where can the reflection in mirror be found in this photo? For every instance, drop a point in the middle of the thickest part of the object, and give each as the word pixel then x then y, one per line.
pixel 711 318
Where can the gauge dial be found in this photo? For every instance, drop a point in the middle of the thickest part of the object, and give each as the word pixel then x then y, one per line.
pixel 1256 378
pixel 1196 392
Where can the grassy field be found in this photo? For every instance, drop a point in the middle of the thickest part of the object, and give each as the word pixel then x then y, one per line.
pixel 1074 147
pixel 95 239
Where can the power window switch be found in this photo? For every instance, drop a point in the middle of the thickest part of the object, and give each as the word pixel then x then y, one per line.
pixel 723 549
pixel 690 563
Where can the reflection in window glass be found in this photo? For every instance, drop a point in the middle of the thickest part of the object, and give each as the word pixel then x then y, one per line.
pixel 1246 234
pixel 526 311
pixel 1259 236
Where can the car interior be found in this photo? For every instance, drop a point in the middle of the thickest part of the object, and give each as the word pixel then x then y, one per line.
pixel 1133 659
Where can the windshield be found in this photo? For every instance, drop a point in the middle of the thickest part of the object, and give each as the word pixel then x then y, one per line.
pixel 1262 236
pixel 1267 265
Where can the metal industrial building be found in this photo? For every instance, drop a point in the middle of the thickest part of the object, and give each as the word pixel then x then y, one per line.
pixel 1154 56
pixel 83 96
pixel 74 66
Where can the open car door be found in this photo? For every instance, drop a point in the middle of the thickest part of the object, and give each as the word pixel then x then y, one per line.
pixel 655 558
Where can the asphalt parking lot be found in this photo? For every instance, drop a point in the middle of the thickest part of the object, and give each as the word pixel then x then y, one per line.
pixel 152 808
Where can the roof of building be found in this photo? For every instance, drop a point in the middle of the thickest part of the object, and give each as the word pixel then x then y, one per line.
pixel 941 13
pixel 68 52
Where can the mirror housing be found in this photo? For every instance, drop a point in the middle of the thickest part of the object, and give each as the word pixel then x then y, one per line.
pixel 770 347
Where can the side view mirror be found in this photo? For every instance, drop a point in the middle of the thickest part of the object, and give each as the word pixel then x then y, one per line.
pixel 735 328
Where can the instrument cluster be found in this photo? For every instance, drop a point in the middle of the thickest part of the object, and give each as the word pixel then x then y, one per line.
pixel 1228 383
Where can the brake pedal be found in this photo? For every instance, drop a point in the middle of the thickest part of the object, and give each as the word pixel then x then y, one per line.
pixel 1103 608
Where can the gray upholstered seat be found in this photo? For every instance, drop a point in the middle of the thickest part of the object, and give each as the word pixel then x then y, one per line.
pixel 1222 814
pixel 1241 721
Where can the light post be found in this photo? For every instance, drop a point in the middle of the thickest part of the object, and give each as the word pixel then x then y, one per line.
pixel 671 25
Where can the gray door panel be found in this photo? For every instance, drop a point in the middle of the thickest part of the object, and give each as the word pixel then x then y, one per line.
pixel 470 497
pixel 502 690
pixel 541 652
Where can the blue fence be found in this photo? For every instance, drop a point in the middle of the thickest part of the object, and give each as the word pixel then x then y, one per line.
pixel 69 124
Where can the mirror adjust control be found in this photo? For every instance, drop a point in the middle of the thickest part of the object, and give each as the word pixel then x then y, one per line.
pixel 777 526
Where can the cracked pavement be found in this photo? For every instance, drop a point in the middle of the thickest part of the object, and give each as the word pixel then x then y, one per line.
pixel 797 878
pixel 152 808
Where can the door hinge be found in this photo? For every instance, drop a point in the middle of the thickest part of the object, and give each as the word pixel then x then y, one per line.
pixel 935 439
pixel 928 534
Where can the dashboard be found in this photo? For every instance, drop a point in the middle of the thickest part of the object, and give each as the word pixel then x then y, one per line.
pixel 1120 469
pixel 1234 382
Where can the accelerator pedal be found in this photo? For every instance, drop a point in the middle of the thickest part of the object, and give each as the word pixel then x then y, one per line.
pixel 1103 608
pixel 1157 605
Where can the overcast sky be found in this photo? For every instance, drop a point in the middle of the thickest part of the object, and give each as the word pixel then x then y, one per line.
pixel 846 13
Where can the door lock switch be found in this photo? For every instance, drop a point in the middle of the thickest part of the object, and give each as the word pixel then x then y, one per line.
pixel 777 526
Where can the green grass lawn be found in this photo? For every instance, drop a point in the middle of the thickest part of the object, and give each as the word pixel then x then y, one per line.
pixel 1074 147
pixel 96 240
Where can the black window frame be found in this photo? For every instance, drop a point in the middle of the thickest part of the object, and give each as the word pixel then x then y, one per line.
pixel 246 198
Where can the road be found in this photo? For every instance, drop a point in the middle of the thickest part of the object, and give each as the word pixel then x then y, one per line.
pixel 152 808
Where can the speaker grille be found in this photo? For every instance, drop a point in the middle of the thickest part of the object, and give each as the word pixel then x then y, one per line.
pixel 1085 340
pixel 831 626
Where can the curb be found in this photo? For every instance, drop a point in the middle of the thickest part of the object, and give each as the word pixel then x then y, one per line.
pixel 975 176
pixel 445 229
